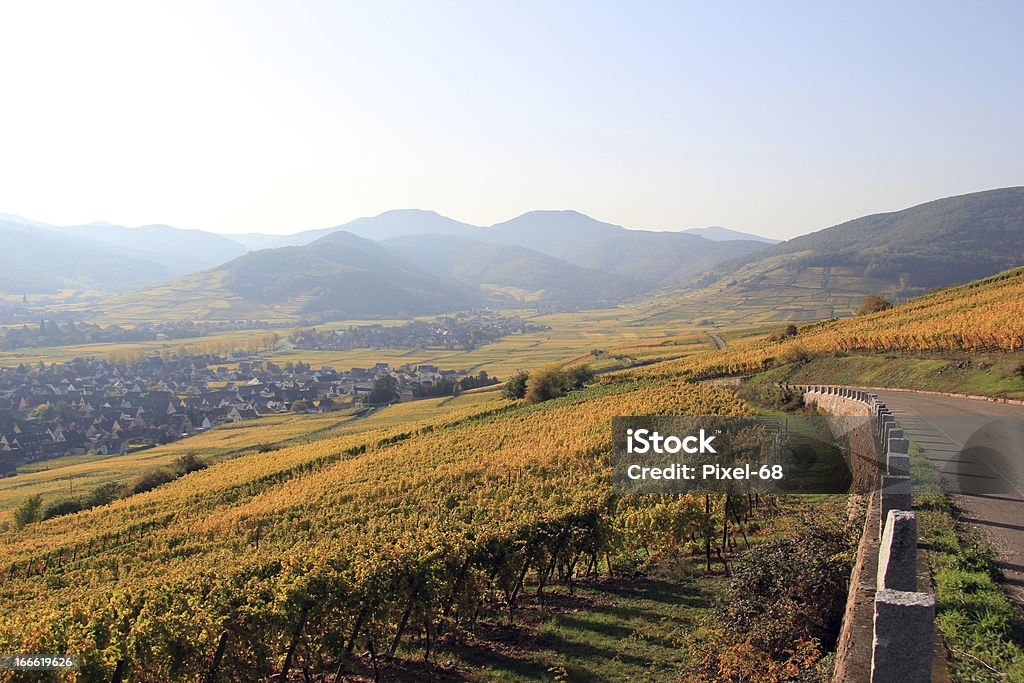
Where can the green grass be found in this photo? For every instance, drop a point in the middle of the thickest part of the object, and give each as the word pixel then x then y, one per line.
pixel 982 628
pixel 985 375
pixel 609 630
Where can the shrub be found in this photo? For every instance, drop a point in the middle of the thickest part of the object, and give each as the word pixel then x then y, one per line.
pixel 189 463
pixel 792 589
pixel 873 303
pixel 545 383
pixel 578 376
pixel 29 512
pixel 785 333
pixel 152 478
pixel 57 508
pixel 515 386
pixel 106 493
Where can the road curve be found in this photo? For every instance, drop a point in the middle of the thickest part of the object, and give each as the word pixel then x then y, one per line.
pixel 979 447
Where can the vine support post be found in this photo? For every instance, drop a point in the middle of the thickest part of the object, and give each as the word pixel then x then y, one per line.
pixel 296 635
pixel 218 655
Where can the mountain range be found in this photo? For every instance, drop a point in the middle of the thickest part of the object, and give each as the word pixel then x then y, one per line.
pixel 409 262
pixel 562 258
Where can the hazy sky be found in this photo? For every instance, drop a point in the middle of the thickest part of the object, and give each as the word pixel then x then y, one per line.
pixel 773 117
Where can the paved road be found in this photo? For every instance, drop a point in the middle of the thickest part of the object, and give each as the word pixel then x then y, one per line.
pixel 979 447
pixel 719 342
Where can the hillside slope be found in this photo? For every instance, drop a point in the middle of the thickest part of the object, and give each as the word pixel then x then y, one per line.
pixel 395 223
pixel 338 276
pixel 44 260
pixel 985 316
pixel 950 240
pixel 656 257
pixel 180 251
pixel 514 273
pixel 828 273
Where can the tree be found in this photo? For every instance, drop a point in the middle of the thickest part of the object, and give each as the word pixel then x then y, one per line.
pixel 385 390
pixel 152 478
pixel 62 507
pixel 188 463
pixel 578 376
pixel 515 386
pixel 106 493
pixel 30 511
pixel 873 303
pixel 785 333
pixel 545 383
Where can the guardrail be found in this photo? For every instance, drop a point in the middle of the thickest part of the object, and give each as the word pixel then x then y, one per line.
pixel 903 632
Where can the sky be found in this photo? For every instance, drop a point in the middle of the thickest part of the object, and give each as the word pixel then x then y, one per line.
pixel 771 117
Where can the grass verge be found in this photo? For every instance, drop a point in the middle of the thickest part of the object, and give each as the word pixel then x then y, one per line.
pixel 996 375
pixel 982 628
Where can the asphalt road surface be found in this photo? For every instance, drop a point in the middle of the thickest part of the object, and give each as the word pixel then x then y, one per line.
pixel 979 447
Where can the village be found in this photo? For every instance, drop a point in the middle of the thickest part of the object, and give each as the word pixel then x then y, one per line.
pixel 94 406
pixel 467 330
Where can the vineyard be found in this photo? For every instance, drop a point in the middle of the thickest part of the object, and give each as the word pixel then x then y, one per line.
pixel 260 564
pixel 983 316
pixel 416 525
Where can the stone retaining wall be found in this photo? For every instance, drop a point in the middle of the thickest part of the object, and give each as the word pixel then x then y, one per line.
pixel 899 644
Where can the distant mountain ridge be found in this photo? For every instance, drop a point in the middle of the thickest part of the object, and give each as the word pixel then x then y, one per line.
pixel 343 275
pixel 45 260
pixel 899 254
pixel 560 258
pixel 394 223
pixel 514 275
pixel 720 234
pixel 180 250
pixel 657 257
pixel 412 261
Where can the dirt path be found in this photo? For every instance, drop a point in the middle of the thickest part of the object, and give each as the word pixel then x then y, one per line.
pixel 978 447
pixel 719 342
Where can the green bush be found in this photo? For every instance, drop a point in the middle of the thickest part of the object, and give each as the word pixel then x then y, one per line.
pixel 29 512
pixel 545 383
pixel 57 508
pixel 105 494
pixel 152 478
pixel 515 386
pixel 188 463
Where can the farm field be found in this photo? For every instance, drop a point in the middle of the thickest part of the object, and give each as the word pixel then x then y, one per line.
pixel 571 335
pixel 223 342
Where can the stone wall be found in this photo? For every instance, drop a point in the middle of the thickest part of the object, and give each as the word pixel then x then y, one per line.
pixel 888 631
